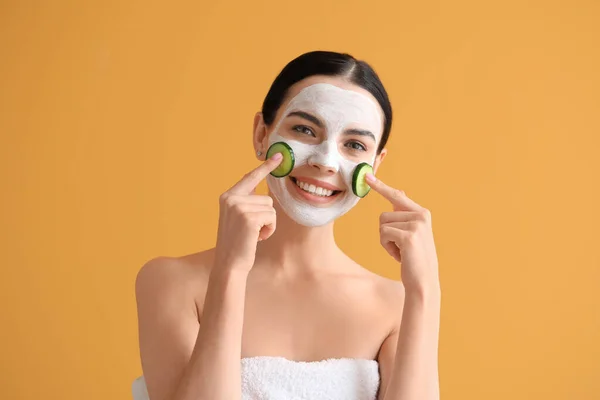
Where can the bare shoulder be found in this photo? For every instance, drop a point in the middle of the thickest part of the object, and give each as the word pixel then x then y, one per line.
pixel 392 290
pixel 177 280
pixel 389 289
pixel 167 289
pixel 389 294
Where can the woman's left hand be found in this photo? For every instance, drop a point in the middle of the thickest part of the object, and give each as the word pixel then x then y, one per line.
pixel 406 233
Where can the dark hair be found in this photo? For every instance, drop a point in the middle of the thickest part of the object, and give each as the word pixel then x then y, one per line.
pixel 331 64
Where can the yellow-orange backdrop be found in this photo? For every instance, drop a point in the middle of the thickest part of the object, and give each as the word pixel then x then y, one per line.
pixel 123 121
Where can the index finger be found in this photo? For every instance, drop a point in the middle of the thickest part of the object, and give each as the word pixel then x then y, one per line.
pixel 397 197
pixel 251 180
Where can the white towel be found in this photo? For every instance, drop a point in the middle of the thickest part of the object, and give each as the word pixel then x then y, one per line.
pixel 138 389
pixel 277 378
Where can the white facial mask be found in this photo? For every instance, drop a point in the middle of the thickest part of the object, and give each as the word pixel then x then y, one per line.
pixel 338 109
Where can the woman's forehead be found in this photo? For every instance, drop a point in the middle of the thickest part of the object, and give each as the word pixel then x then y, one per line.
pixel 335 100
pixel 338 81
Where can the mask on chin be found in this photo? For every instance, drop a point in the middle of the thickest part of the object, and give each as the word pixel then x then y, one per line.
pixel 337 108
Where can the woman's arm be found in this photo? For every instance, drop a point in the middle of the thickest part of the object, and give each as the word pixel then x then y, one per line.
pixel 214 370
pixel 407 235
pixel 415 370
pixel 182 360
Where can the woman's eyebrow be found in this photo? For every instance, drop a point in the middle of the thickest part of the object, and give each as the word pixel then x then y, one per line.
pixel 317 122
pixel 307 116
pixel 360 132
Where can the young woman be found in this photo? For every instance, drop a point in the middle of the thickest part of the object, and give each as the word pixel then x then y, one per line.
pixel 276 310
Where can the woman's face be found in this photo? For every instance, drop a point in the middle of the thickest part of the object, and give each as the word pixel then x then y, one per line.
pixel 332 126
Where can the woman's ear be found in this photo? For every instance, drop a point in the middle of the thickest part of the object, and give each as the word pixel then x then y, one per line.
pixel 378 160
pixel 259 136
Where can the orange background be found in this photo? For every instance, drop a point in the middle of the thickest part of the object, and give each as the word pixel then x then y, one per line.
pixel 123 121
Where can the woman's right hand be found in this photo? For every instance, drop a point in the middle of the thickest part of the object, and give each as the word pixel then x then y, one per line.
pixel 244 219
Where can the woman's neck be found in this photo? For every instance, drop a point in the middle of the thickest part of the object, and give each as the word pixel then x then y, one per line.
pixel 296 249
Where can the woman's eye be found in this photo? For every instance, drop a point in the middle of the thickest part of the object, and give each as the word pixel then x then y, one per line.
pixel 356 146
pixel 304 129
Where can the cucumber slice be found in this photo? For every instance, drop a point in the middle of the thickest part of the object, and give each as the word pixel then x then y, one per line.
pixel 360 187
pixel 287 164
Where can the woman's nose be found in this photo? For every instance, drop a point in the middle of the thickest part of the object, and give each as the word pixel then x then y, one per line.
pixel 326 159
pixel 324 168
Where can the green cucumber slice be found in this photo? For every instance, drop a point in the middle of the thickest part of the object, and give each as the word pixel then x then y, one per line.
pixel 360 187
pixel 287 164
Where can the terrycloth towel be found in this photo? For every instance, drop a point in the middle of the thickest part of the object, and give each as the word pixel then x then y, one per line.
pixel 277 378
pixel 139 390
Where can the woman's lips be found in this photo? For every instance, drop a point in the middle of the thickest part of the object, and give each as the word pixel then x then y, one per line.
pixel 317 183
pixel 311 198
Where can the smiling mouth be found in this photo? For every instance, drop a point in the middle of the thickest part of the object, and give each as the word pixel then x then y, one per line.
pixel 314 189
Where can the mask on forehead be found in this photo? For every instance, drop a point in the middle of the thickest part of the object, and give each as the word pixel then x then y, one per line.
pixel 338 109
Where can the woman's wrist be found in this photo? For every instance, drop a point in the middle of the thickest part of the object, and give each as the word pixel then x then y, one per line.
pixel 229 272
pixel 423 293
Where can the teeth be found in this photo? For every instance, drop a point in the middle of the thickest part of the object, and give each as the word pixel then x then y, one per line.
pixel 317 191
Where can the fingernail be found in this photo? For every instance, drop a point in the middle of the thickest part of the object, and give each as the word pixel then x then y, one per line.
pixel 277 156
pixel 370 177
